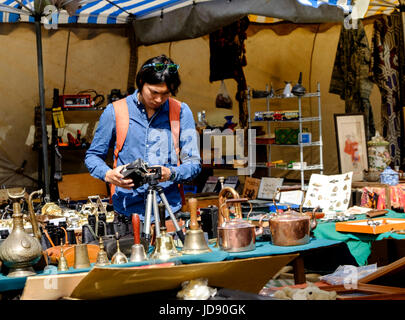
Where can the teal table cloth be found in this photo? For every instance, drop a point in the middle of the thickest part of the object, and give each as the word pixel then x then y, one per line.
pixel 359 244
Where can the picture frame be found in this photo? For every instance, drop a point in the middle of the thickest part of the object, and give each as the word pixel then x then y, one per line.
pixel 351 144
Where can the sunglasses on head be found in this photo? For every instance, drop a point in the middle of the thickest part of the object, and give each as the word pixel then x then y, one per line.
pixel 160 67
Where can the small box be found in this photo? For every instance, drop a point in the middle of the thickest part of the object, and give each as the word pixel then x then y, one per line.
pixel 299 165
pixel 305 137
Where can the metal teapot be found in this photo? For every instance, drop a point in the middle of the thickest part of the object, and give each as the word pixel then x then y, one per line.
pixel 20 251
pixel 291 228
pixel 234 235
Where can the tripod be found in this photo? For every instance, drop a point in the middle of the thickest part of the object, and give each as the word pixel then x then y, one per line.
pixel 151 203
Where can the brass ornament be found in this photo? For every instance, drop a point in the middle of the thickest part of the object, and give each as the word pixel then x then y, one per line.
pixel 138 253
pixel 137 250
pixel 119 257
pixel 194 242
pixel 62 264
pixel 82 260
pixel 165 248
pixel 19 251
pixel 102 258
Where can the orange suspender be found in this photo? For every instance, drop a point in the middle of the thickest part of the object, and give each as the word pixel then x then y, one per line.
pixel 122 124
pixel 174 116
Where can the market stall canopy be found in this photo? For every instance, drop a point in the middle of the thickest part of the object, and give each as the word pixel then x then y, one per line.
pixel 158 21
pixel 374 8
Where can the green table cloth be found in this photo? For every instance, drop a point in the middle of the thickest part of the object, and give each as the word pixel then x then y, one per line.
pixel 359 244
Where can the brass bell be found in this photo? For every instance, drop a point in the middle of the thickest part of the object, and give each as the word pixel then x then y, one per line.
pixel 119 257
pixel 82 260
pixel 138 253
pixel 194 242
pixel 137 250
pixel 164 246
pixel 102 258
pixel 62 264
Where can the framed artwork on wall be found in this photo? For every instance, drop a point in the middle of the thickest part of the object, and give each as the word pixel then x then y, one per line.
pixel 351 144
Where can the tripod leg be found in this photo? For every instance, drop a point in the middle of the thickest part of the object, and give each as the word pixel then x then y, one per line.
pixel 145 238
pixel 156 212
pixel 179 232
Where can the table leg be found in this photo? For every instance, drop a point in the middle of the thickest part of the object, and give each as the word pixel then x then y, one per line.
pixel 299 271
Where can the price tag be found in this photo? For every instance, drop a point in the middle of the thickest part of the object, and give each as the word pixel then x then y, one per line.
pixel 58 118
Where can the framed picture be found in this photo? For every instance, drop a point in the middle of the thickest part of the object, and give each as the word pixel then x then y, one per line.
pixel 351 144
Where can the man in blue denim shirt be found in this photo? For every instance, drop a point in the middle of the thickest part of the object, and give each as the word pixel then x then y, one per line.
pixel 149 138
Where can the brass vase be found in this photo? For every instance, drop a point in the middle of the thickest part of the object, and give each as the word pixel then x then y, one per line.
pixel 20 251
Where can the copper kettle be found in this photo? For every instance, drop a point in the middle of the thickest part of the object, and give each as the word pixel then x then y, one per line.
pixel 235 235
pixel 291 228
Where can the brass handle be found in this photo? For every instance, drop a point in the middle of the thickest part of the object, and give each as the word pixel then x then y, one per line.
pixel 238 208
pixel 286 188
pixel 238 200
pixel 192 203
pixel 289 188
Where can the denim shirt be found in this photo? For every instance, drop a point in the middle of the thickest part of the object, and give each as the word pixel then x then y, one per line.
pixel 150 140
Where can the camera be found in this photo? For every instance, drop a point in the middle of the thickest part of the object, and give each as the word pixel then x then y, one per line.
pixel 140 173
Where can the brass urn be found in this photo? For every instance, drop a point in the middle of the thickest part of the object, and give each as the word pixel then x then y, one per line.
pixel 19 251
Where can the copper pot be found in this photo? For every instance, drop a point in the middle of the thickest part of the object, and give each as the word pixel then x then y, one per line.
pixel 235 235
pixel 291 228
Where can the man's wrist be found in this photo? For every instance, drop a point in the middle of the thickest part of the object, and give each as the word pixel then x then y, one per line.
pixel 172 174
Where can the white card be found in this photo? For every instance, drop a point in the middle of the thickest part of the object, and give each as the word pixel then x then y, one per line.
pixel 268 186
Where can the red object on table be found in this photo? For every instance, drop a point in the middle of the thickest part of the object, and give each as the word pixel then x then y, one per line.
pixel 136 228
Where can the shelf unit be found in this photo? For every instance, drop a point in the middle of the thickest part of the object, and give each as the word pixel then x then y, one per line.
pixel 76 154
pixel 317 119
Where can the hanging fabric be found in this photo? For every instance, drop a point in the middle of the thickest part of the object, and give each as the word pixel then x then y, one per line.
pixel 387 71
pixel 350 75
pixel 227 59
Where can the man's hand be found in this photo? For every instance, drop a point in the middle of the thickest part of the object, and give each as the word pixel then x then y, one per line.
pixel 165 174
pixel 115 177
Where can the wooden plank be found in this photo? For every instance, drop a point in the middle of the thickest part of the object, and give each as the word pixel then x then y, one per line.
pixel 248 275
pixel 81 185
pixel 51 287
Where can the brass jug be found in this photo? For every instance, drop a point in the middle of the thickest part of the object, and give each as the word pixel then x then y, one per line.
pixel 82 260
pixel 194 242
pixel 164 247
pixel 102 258
pixel 20 251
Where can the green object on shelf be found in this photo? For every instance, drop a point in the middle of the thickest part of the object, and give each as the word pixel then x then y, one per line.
pixel 286 135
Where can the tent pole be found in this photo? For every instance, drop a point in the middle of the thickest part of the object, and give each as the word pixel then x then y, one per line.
pixel 42 106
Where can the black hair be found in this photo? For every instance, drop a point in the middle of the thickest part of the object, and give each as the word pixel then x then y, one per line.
pixel 149 75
